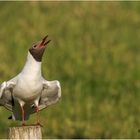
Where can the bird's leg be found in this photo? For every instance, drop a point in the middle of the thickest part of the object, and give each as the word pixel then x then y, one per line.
pixel 38 119
pixel 37 113
pixel 22 109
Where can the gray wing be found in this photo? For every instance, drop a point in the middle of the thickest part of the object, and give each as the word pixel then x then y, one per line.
pixel 6 99
pixel 51 93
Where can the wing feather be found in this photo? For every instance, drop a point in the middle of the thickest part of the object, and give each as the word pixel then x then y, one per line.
pixel 51 93
pixel 6 99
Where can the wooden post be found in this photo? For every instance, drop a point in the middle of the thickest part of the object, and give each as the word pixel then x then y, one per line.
pixel 25 132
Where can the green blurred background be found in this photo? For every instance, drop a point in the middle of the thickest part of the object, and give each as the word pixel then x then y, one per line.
pixel 94 53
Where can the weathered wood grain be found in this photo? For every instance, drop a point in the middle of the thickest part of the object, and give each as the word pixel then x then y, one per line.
pixel 25 132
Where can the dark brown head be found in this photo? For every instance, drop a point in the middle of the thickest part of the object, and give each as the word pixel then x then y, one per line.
pixel 38 49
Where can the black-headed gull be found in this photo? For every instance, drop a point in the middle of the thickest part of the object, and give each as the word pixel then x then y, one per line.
pixel 29 92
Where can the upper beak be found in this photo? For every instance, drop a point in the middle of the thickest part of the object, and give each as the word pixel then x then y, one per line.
pixel 44 41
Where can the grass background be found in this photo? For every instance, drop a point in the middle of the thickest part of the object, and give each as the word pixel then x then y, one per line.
pixel 94 53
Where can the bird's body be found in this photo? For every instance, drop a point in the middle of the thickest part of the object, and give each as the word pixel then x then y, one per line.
pixel 29 92
pixel 29 82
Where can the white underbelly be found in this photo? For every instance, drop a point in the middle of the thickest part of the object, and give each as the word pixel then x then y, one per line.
pixel 27 91
pixel 26 96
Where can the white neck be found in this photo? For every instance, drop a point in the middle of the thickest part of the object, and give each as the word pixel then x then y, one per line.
pixel 32 66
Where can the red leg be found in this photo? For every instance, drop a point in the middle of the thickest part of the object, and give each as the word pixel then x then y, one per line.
pixel 22 109
pixel 37 113
pixel 37 110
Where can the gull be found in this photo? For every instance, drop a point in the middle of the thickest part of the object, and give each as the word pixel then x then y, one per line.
pixel 29 92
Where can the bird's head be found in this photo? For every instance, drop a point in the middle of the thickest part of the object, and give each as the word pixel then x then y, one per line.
pixel 37 50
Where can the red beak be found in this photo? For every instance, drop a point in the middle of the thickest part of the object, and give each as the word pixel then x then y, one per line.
pixel 44 41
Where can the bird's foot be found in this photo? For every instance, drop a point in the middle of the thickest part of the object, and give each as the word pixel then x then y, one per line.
pixel 23 124
pixel 38 123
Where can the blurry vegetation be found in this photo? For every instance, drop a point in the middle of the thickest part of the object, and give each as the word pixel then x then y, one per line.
pixel 94 53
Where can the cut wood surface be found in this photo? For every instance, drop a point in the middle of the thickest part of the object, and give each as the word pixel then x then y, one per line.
pixel 25 132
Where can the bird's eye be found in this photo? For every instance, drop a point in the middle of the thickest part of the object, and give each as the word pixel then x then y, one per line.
pixel 34 46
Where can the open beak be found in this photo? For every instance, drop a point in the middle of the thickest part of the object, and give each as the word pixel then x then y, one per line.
pixel 44 41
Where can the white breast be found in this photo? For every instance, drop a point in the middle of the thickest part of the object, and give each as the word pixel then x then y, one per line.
pixel 29 84
pixel 27 89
